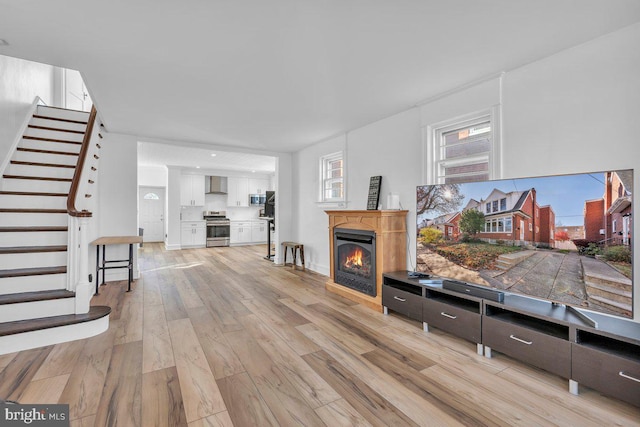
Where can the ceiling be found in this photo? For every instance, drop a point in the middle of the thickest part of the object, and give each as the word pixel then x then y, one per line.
pixel 280 75
pixel 155 154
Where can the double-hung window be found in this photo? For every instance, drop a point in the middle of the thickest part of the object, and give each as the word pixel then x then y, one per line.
pixel 463 150
pixel 332 178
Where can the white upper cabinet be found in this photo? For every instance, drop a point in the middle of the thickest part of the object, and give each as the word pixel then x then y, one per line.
pixel 192 190
pixel 238 191
pixel 258 186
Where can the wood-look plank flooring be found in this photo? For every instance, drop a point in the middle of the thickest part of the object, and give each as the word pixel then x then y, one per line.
pixel 222 337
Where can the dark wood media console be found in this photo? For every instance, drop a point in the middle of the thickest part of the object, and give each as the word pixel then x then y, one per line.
pixel 546 335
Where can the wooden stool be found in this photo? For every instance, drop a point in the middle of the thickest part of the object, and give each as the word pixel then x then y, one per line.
pixel 294 246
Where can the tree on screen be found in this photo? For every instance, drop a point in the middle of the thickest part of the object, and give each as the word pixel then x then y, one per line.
pixel 441 199
pixel 471 222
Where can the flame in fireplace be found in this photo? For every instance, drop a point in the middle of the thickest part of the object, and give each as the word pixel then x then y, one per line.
pixel 355 260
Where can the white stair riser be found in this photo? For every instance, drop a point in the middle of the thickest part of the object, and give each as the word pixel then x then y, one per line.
pixel 54 134
pixel 57 124
pixel 41 171
pixel 26 156
pixel 44 337
pixel 29 260
pixel 49 145
pixel 45 282
pixel 28 219
pixel 36 185
pixel 62 114
pixel 34 238
pixel 37 309
pixel 46 202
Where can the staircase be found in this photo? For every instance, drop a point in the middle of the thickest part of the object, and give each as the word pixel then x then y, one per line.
pixel 37 302
pixel 606 287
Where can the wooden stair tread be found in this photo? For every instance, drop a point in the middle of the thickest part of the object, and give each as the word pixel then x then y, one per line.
pixel 37 178
pixel 56 129
pixel 36 296
pixel 33 228
pixel 22 326
pixel 32 193
pixel 35 150
pixel 40 138
pixel 33 271
pixel 32 249
pixel 40 116
pixel 46 165
pixel 31 210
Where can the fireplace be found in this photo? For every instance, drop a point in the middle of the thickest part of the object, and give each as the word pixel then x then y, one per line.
pixel 355 259
pixel 381 237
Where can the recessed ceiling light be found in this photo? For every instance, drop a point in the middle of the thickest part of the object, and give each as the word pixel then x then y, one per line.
pixel 253 171
pixel 213 154
pixel 197 167
pixel 3 42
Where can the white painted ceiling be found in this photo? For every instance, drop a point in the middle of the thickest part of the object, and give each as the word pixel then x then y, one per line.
pixel 158 154
pixel 278 75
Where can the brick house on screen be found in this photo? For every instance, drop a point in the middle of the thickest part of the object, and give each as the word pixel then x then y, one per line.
pixel 514 218
pixel 609 219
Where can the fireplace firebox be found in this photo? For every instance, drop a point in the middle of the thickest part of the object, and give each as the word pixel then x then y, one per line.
pixel 355 259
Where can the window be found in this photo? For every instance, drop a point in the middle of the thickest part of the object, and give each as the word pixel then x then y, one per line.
pixel 488 210
pixel 503 204
pixel 151 196
pixel 463 150
pixel 507 225
pixel 530 227
pixel 332 179
pixel 495 206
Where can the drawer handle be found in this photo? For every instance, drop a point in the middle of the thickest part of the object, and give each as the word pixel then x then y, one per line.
pixel 513 337
pixel 448 315
pixel 623 375
pixel 399 299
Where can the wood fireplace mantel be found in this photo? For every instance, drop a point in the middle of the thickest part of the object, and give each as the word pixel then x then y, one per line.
pixel 390 227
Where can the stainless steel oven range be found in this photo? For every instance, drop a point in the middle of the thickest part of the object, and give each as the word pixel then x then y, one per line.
pixel 218 228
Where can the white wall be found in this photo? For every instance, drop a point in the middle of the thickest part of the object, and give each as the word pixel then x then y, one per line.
pixel 573 112
pixel 578 111
pixel 152 176
pixel 20 82
pixel 118 196
pixel 310 219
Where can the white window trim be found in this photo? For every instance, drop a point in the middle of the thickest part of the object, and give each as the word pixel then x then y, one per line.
pixel 333 202
pixel 431 135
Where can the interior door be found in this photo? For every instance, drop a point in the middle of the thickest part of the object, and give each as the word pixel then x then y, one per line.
pixel 76 95
pixel 151 214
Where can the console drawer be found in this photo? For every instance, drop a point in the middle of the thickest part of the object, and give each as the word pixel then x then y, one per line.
pixel 612 375
pixel 403 302
pixel 544 351
pixel 455 320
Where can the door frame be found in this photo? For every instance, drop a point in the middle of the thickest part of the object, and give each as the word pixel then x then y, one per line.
pixel 164 207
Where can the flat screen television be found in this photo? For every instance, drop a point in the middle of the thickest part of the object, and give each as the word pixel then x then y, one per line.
pixel 563 238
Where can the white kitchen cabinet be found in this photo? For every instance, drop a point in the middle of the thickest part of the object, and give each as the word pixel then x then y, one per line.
pixel 192 190
pixel 193 234
pixel 240 232
pixel 237 191
pixel 258 186
pixel 259 231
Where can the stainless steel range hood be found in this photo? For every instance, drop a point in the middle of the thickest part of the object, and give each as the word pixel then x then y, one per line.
pixel 216 185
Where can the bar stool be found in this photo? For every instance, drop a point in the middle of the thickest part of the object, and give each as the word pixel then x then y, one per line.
pixel 294 246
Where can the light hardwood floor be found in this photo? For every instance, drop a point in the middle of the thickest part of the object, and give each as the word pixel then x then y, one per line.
pixel 222 337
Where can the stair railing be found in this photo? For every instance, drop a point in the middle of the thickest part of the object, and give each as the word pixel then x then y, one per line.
pixel 78 204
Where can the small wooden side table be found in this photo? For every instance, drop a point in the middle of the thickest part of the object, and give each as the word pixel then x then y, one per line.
pixel 114 240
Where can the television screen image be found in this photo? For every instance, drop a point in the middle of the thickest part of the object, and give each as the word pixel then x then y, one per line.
pixel 563 238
